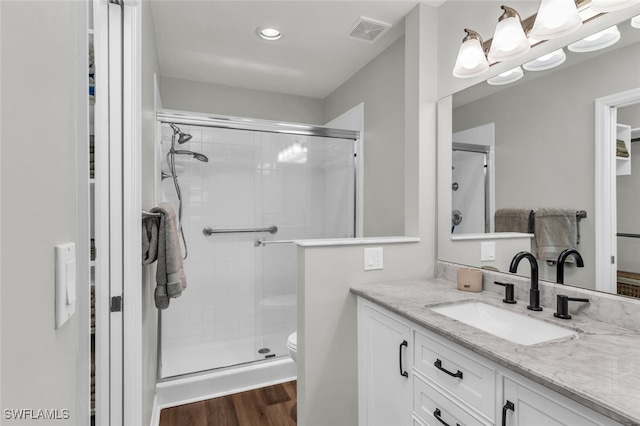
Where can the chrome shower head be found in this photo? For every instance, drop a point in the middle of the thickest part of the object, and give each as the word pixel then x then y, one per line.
pixel 201 157
pixel 182 137
pixel 196 155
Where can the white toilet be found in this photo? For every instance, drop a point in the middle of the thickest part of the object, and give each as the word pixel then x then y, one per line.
pixel 292 346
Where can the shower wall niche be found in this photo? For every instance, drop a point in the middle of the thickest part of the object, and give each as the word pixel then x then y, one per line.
pixel 240 303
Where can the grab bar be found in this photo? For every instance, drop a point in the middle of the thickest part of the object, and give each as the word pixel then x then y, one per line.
pixel 621 234
pixel 210 231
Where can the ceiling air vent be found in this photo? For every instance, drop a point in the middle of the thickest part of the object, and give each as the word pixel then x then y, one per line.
pixel 367 30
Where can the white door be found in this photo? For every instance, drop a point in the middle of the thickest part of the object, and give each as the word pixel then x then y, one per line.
pixel 117 213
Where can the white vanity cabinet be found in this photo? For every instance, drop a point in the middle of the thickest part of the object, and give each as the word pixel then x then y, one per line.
pixel 384 367
pixel 445 383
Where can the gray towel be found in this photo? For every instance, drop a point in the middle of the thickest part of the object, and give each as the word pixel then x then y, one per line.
pixel 555 230
pixel 513 220
pixel 160 241
pixel 150 240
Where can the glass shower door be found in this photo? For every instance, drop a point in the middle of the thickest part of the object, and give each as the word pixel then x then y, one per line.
pixel 240 303
pixel 306 187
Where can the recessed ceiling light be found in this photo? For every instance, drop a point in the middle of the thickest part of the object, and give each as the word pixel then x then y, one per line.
pixel 268 32
pixel 635 22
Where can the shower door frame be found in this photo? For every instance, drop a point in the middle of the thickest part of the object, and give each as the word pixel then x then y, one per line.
pixel 486 151
pixel 166 116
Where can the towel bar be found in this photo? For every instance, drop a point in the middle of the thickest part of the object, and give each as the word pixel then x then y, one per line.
pixel 580 214
pixel 147 215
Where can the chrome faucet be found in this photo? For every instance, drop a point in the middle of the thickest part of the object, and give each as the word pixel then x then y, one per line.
pixel 534 292
pixel 561 260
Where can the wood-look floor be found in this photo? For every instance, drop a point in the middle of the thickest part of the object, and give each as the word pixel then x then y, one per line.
pixel 270 406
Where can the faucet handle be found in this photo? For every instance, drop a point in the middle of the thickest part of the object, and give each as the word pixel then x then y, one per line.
pixel 563 305
pixel 508 292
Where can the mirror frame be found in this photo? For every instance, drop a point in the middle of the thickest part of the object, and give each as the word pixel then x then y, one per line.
pixel 606 111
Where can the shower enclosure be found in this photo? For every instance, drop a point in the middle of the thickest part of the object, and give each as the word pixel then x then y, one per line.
pixel 471 191
pixel 263 185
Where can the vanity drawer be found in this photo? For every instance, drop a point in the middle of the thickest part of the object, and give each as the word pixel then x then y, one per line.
pixel 444 364
pixel 429 404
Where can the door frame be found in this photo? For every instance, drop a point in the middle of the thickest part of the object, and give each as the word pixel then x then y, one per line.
pixel 83 213
pixel 605 185
pixel 118 211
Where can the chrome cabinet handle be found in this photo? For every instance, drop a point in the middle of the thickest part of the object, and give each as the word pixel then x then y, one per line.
pixel 402 372
pixel 508 406
pixel 438 365
pixel 437 415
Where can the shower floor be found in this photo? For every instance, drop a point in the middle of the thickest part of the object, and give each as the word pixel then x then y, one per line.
pixel 205 356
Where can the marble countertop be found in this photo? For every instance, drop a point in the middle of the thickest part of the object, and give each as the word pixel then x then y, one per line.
pixel 598 367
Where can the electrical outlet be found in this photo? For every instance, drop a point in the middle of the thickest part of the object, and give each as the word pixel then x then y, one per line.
pixel 373 258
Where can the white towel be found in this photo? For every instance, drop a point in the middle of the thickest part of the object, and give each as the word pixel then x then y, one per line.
pixel 555 231
pixel 160 241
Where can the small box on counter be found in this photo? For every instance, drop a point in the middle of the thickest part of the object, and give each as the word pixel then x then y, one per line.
pixel 470 280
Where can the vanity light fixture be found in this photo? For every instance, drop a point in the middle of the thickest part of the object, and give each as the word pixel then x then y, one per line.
pixel 597 41
pixel 601 6
pixel 509 40
pixel 545 62
pixel 635 22
pixel 506 77
pixel 268 32
pixel 471 60
pixel 556 18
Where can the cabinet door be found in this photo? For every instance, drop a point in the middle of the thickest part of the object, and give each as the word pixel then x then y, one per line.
pixel 384 367
pixel 545 407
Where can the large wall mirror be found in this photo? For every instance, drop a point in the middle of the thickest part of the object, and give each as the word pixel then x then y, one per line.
pixel 531 145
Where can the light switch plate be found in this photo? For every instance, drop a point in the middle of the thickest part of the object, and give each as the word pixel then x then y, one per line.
pixel 487 251
pixel 373 258
pixel 65 263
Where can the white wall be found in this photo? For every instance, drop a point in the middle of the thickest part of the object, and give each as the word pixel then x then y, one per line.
pixel 209 98
pixel 38 176
pixel 327 352
pixel 148 311
pixel 327 326
pixel 379 85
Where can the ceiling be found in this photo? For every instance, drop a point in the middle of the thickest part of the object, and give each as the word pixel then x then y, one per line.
pixel 215 42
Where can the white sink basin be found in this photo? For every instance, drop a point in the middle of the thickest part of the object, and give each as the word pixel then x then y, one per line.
pixel 507 325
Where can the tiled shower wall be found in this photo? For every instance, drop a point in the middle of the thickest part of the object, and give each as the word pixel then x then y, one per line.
pixel 241 295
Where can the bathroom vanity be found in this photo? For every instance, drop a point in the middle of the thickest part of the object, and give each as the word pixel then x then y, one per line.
pixel 420 367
